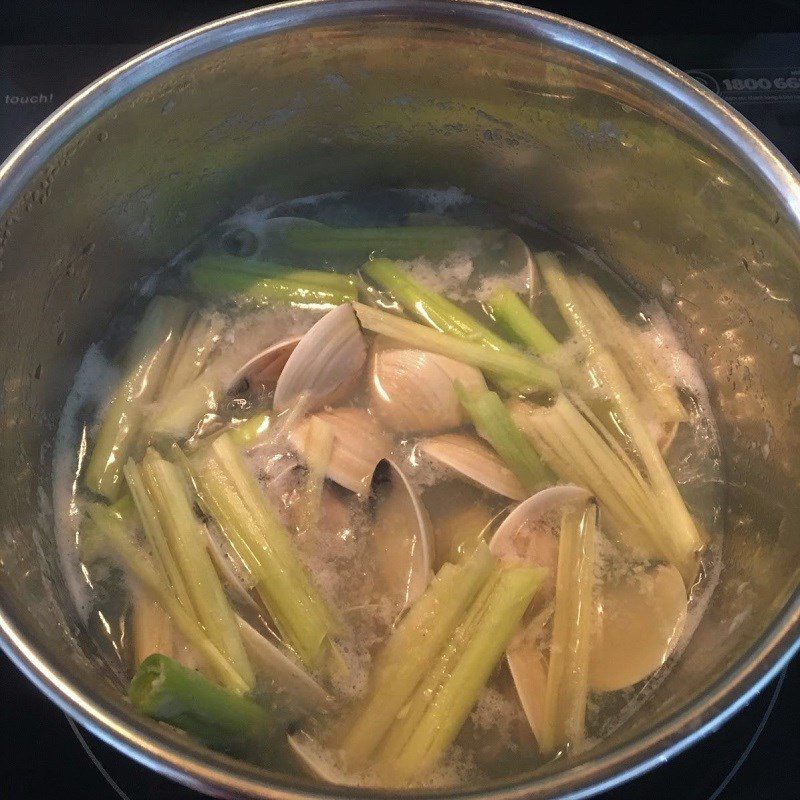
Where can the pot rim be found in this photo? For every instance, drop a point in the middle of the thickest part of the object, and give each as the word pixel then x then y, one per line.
pixel 199 769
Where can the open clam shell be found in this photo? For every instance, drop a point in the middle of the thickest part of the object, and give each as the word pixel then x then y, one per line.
pixel 261 372
pixel 401 535
pixel 359 444
pixel 529 535
pixel 640 621
pixel 326 364
pixel 475 461
pixel 412 390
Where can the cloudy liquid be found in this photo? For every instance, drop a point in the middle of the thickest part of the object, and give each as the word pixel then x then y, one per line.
pixel 496 740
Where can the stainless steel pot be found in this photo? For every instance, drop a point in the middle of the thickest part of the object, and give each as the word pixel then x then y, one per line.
pixel 589 135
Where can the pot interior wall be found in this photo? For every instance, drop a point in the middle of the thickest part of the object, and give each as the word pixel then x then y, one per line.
pixel 380 101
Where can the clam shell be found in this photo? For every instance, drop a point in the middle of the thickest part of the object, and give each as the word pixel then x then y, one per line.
pixel 359 444
pixel 641 619
pixel 326 364
pixel 475 461
pixel 401 535
pixel 412 390
pixel 261 372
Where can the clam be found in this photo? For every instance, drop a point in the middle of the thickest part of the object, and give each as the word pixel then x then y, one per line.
pixel 401 535
pixel 529 535
pixel 295 690
pixel 326 364
pixel 640 621
pixel 359 444
pixel 472 459
pixel 412 390
pixel 261 372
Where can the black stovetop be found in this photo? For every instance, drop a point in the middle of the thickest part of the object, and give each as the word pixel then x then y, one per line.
pixel 755 754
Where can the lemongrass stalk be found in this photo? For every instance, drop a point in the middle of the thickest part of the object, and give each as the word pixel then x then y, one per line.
pixel 516 320
pixel 151 524
pixel 167 489
pixel 563 725
pixel 178 415
pixel 525 373
pixel 141 569
pixel 317 455
pixel 650 383
pixel 410 652
pixel 579 454
pixel 231 495
pixel 166 691
pixel 252 430
pixel 191 355
pixel 297 287
pixel 314 238
pixel 467 662
pixel 440 313
pixel 153 631
pixel 493 422
pixel 148 356
pixel 680 536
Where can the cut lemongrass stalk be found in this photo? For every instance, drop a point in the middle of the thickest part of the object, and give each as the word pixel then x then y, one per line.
pixel 650 383
pixel 410 652
pixel 452 688
pixel 179 414
pixel 203 331
pixel 493 423
pixel 317 454
pixel 578 454
pixel 166 691
pixel 166 486
pixel 281 285
pixel 436 311
pixel 563 726
pixel 252 430
pixel 314 238
pixel 154 533
pixel 144 368
pixel 680 538
pixel 517 321
pixel 231 495
pixel 525 373
pixel 141 569
pixel 153 631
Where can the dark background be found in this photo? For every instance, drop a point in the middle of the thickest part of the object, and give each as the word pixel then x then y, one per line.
pixel 757 753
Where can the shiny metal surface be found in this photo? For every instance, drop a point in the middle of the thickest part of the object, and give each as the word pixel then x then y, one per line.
pixel 555 121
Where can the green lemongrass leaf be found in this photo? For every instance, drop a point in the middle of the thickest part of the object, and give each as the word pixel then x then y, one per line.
pixel 218 718
pixel 517 321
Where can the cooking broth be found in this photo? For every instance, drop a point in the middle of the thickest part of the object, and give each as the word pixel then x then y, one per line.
pixel 369 542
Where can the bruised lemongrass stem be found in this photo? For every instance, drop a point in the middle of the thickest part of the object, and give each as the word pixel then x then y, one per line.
pixel 166 486
pixel 410 651
pixel 525 373
pixel 178 415
pixel 563 725
pixel 430 308
pixel 516 320
pixel 231 495
pixel 154 533
pixel 148 356
pixel 679 538
pixel 493 422
pixel 223 720
pixel 317 454
pixel 139 566
pixel 442 702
